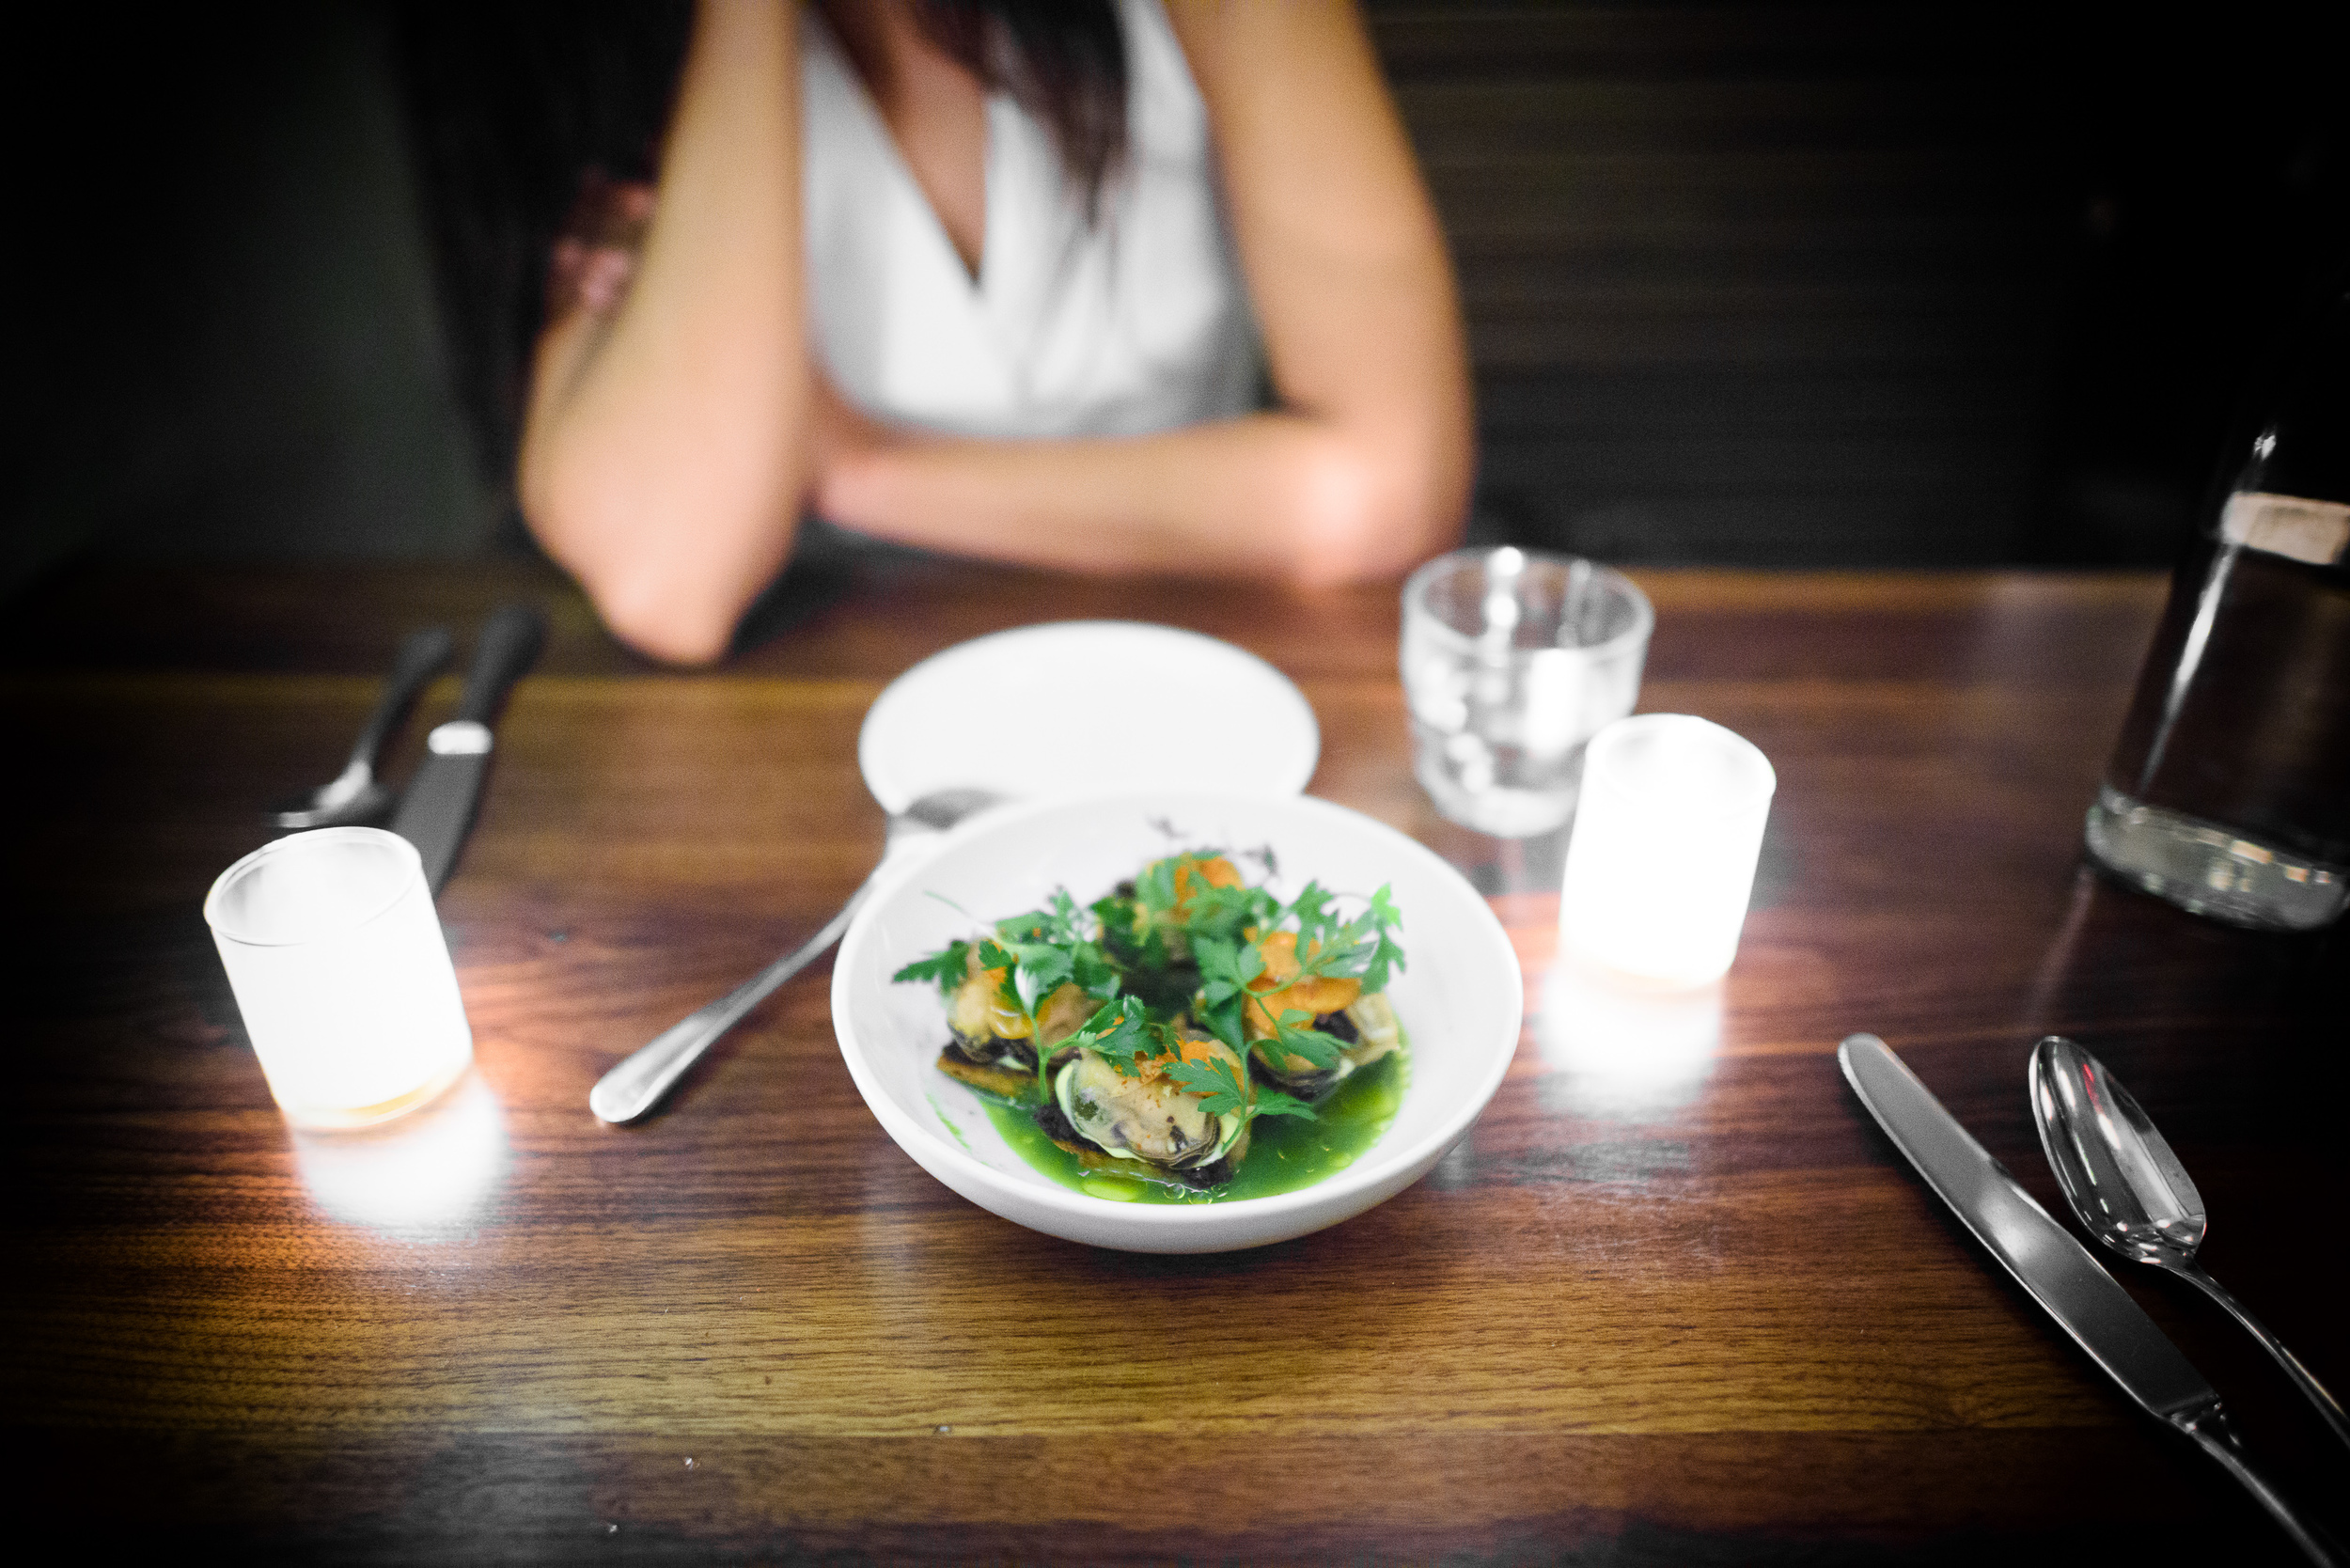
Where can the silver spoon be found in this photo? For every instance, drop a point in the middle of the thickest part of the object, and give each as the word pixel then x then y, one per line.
pixel 2130 1191
pixel 641 1080
pixel 355 794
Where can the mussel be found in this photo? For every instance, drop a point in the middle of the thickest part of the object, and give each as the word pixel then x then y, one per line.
pixel 994 1045
pixel 1367 1030
pixel 1191 875
pixel 1365 1026
pixel 1148 1125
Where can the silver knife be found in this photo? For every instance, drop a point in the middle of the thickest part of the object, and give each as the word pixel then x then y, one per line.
pixel 2070 1285
pixel 436 811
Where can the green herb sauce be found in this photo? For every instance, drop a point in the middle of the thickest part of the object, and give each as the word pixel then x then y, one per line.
pixel 947 1121
pixel 1285 1153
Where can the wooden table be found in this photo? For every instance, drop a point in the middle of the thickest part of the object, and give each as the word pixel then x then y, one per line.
pixel 1674 1300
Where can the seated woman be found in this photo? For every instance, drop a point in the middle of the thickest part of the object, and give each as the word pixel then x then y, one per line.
pixel 957 274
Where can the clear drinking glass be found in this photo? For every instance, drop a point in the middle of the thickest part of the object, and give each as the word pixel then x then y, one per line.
pixel 341 973
pixel 1512 660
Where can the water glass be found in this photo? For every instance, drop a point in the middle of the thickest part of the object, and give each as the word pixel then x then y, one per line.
pixel 1661 866
pixel 340 970
pixel 1512 660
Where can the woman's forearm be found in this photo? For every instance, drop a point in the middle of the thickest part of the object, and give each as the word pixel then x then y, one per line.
pixel 664 454
pixel 1279 495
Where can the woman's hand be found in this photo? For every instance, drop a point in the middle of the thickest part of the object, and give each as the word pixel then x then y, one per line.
pixel 594 258
pixel 840 436
pixel 1349 274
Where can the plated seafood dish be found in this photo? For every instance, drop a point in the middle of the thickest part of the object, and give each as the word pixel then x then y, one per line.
pixel 1189 1036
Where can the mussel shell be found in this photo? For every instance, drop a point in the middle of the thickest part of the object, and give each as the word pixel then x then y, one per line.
pixel 1055 1125
pixel 1141 1122
pixel 1314 1084
pixel 1000 1079
pixel 987 1050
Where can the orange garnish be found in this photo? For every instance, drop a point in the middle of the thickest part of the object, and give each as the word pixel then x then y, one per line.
pixel 1279 952
pixel 1318 996
pixel 1214 872
pixel 1186 1050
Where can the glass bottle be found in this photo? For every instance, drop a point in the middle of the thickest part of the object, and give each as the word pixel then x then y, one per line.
pixel 2228 791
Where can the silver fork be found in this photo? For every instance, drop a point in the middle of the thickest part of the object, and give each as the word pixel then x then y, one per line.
pixel 642 1079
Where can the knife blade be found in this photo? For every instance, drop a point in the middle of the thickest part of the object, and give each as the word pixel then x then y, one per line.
pixel 437 809
pixel 2058 1272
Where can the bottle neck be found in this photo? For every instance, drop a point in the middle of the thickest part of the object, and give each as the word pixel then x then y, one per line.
pixel 2300 444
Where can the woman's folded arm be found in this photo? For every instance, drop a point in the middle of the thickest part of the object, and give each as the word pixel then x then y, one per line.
pixel 663 459
pixel 676 428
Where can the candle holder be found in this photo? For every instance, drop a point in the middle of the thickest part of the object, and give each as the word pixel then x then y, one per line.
pixel 1662 860
pixel 342 976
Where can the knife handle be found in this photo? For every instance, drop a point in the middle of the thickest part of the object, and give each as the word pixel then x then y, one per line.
pixel 420 657
pixel 509 647
pixel 2210 1431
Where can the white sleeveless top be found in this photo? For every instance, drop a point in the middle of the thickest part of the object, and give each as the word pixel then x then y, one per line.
pixel 1137 323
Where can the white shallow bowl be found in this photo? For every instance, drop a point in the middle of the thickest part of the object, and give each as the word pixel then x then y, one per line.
pixel 1459 998
pixel 942 723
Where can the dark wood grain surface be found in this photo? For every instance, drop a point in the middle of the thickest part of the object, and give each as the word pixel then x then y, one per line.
pixel 1673 1300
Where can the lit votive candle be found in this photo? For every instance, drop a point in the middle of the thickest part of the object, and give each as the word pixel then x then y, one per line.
pixel 340 971
pixel 1661 864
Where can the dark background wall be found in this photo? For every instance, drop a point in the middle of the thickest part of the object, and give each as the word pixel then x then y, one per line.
pixel 1918 284
pixel 227 330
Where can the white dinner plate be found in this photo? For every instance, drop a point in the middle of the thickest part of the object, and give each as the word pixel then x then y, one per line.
pixel 1043 713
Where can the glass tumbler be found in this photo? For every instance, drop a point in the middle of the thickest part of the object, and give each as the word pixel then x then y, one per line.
pixel 342 975
pixel 1512 660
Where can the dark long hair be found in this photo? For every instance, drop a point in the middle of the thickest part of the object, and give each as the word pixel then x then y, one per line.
pixel 1063 60
pixel 513 104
